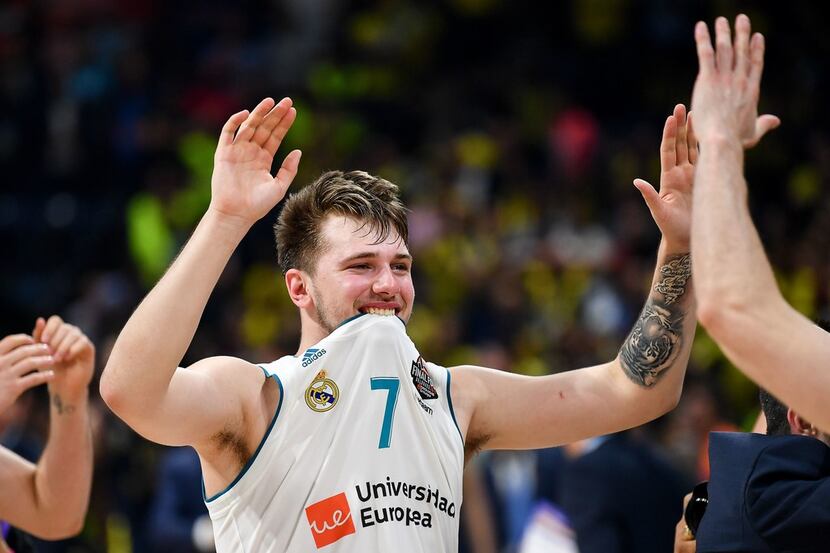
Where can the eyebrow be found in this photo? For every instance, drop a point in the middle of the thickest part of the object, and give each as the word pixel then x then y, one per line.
pixel 372 255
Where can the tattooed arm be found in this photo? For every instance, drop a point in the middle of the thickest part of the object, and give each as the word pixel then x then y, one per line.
pixel 498 410
pixel 656 340
pixel 50 499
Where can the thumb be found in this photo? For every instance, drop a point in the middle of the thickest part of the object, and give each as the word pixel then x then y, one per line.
pixel 764 124
pixel 650 195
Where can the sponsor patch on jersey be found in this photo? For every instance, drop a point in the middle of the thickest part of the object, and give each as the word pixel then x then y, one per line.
pixel 322 394
pixel 330 520
pixel 422 380
pixel 311 355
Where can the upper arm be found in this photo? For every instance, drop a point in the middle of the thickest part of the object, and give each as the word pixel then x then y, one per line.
pixel 502 410
pixel 207 397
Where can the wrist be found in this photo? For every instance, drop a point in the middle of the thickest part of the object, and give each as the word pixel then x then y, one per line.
pixel 225 231
pixel 229 224
pixel 719 138
pixel 68 401
pixel 675 246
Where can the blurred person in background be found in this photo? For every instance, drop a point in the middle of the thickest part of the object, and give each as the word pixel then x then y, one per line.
pixel 740 304
pixel 342 245
pixel 48 499
pixel 179 520
pixel 766 492
pixel 620 495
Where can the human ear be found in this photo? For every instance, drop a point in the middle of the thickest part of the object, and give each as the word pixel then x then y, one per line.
pixel 297 283
pixel 799 425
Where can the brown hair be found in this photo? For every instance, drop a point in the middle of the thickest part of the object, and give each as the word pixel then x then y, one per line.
pixel 371 200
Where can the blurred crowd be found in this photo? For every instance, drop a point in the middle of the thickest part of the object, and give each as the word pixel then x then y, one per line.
pixel 514 130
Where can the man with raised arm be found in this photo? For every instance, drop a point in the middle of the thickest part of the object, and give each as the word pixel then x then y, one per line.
pixel 357 442
pixel 740 304
pixel 49 499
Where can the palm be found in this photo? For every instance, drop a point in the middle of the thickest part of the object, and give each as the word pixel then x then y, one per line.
pixel 676 196
pixel 242 181
pixel 671 208
pixel 242 184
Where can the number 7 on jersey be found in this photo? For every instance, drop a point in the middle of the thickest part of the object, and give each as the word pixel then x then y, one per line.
pixel 391 384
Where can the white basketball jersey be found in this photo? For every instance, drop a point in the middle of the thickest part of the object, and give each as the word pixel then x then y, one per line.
pixel 363 455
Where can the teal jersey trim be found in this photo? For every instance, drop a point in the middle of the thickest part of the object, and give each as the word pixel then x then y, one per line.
pixel 350 319
pixel 353 317
pixel 259 447
pixel 452 411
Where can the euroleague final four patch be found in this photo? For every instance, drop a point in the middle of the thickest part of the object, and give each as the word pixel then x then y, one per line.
pixel 322 394
pixel 422 380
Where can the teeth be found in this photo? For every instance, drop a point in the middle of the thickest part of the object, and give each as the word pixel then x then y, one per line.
pixel 378 311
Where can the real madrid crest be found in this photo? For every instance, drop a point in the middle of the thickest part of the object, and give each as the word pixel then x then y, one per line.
pixel 322 394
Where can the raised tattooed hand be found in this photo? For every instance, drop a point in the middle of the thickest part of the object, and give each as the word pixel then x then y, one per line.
pixel 671 206
pixel 727 89
pixel 242 186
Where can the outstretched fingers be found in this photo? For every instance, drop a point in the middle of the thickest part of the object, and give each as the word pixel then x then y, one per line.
pixel 691 138
pixel 705 52
pixel 723 40
pixel 682 148
pixel 271 120
pixel 278 133
pixel 743 30
pixel 288 169
pixel 668 144
pixel 231 126
pixel 250 125
pixel 756 63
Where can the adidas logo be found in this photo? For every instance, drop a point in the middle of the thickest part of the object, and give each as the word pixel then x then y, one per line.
pixel 311 355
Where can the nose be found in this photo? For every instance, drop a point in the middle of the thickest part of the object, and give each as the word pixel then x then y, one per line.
pixel 386 283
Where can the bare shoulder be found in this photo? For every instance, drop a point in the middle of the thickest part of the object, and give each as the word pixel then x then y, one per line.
pixel 242 380
pixel 231 371
pixel 469 389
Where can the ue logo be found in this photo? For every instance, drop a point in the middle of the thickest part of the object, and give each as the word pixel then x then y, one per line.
pixel 330 520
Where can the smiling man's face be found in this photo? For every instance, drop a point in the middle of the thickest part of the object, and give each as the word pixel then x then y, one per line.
pixel 356 275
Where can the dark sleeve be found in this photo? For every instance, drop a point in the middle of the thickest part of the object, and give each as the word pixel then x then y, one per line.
pixel 788 496
pixel 588 503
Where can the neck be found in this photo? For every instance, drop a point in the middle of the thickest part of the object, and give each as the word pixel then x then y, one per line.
pixel 311 332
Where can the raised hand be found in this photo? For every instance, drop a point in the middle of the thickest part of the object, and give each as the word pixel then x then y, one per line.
pixel 671 207
pixel 242 186
pixel 73 358
pixel 24 364
pixel 727 89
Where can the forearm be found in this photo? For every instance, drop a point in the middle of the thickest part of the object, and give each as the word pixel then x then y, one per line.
pixel 63 476
pixel 656 352
pixel 157 335
pixel 731 268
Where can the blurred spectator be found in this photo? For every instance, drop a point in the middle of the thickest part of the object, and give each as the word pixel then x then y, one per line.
pixel 620 495
pixel 768 492
pixel 179 520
